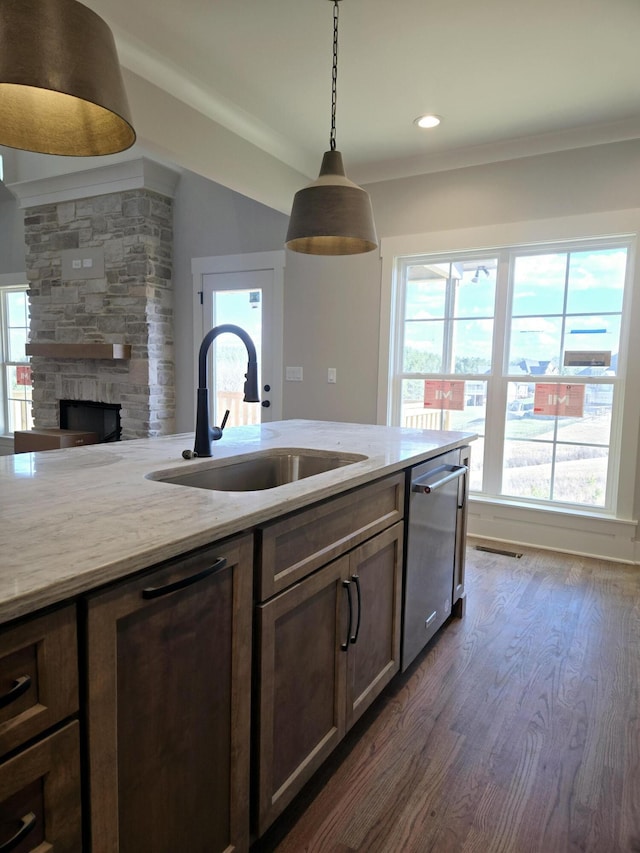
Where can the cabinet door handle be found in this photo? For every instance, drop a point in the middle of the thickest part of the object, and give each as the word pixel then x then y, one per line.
pixel 347 585
pixel 356 578
pixel 20 686
pixel 157 591
pixel 27 823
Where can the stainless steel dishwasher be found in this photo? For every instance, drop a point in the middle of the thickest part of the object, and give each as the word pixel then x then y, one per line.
pixel 435 492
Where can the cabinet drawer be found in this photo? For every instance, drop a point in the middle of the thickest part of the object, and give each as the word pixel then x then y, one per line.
pixel 40 796
pixel 38 676
pixel 295 546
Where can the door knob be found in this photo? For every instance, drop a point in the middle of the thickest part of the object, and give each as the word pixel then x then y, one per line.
pixel 266 403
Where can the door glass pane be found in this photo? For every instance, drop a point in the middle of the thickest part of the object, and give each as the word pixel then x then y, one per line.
pixel 539 284
pixel 596 281
pixel 229 361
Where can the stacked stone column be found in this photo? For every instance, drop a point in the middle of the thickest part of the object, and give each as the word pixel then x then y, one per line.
pixel 131 304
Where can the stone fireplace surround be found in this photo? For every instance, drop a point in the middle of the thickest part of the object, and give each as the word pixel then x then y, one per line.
pixel 127 221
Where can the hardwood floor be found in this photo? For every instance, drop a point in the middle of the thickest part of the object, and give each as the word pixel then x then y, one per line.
pixel 517 731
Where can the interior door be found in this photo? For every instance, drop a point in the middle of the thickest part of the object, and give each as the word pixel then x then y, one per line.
pixel 249 299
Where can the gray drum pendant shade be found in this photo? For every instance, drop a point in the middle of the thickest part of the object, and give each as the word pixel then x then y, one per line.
pixel 61 87
pixel 332 216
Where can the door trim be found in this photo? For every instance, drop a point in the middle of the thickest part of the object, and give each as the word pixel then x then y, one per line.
pixel 251 262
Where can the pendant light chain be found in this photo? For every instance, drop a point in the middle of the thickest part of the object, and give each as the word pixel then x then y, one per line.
pixel 334 77
pixel 332 215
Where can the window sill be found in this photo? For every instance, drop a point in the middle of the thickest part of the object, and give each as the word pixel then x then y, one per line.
pixel 554 511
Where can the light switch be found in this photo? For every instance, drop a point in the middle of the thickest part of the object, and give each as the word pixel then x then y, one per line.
pixel 331 375
pixel 87 262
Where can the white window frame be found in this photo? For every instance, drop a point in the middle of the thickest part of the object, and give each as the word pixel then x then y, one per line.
pixel 619 224
pixel 8 281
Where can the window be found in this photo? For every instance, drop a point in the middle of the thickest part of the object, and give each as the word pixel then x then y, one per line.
pixel 522 346
pixel 15 379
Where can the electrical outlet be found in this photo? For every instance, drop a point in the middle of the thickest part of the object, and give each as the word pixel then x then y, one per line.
pixel 82 264
pixel 293 374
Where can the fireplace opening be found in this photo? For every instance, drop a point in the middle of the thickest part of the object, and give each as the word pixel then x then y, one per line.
pixel 87 416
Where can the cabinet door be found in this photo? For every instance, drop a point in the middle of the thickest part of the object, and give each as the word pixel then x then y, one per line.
pixel 169 659
pixel 375 570
pixel 40 796
pixel 302 672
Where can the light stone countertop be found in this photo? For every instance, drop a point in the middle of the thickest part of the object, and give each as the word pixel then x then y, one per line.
pixel 73 519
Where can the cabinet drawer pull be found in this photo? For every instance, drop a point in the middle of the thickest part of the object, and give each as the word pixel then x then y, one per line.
pixel 157 591
pixel 27 823
pixel 347 585
pixel 356 578
pixel 20 686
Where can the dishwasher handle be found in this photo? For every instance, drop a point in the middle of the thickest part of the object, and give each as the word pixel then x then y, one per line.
pixel 423 487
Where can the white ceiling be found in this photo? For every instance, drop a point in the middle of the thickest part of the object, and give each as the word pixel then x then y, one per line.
pixel 509 78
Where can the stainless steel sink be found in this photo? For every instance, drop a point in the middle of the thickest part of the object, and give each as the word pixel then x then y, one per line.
pixel 265 470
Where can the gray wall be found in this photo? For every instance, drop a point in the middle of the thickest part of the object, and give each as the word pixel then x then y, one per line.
pixel 331 319
pixel 12 248
pixel 210 220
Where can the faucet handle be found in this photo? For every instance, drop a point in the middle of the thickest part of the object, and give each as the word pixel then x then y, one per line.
pixel 216 432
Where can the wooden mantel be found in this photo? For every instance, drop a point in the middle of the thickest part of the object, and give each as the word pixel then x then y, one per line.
pixel 96 350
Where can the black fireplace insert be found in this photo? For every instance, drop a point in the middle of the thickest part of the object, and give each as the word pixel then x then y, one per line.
pixel 101 418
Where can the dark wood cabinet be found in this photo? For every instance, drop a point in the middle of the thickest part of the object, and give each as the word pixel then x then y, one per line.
pixel 168 715
pixel 329 645
pixel 40 799
pixel 373 658
pixel 40 795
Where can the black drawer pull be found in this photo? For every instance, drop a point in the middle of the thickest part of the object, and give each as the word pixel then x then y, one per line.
pixel 157 591
pixel 20 686
pixel 27 823
pixel 356 578
pixel 347 585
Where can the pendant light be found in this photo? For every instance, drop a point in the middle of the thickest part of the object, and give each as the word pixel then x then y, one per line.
pixel 332 216
pixel 61 88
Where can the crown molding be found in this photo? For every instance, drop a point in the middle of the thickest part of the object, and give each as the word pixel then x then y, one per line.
pixel 137 174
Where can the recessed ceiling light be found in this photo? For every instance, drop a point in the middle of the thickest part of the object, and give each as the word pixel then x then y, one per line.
pixel 427 121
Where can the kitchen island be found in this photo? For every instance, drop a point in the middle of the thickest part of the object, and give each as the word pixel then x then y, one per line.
pixel 274 572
